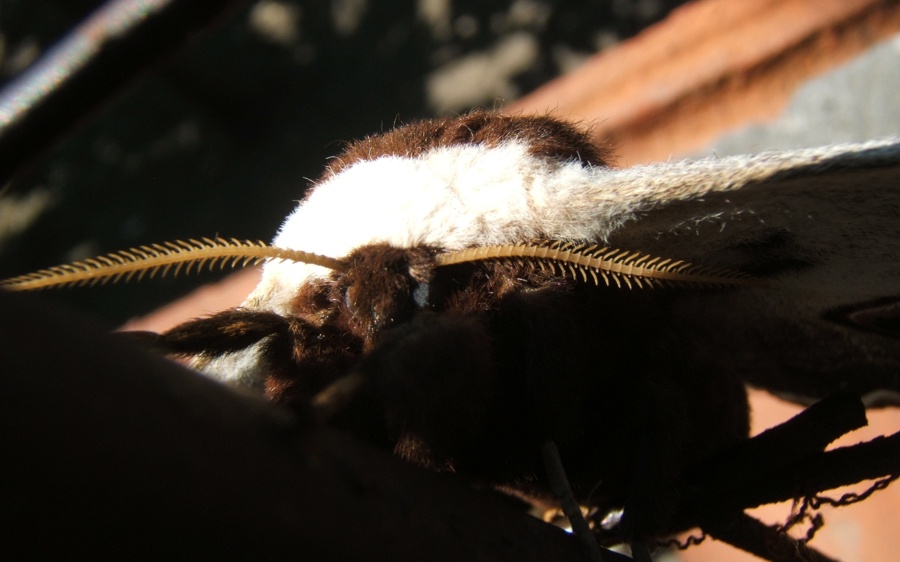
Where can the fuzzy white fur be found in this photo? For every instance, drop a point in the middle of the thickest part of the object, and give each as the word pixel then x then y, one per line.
pixel 468 195
pixel 451 197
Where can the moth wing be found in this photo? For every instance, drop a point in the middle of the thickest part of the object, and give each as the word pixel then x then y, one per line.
pixel 821 228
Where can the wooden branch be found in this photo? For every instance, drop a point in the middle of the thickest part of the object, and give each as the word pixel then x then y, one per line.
pixel 709 67
pixel 789 462
pixel 742 531
pixel 777 448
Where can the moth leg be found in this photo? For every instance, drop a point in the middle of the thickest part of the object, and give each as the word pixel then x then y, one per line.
pixel 559 485
pixel 228 331
pixel 294 360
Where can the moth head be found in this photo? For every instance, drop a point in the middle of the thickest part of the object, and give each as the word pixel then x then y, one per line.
pixel 380 287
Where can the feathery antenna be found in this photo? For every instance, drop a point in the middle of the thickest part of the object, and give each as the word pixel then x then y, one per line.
pixel 563 258
pixel 569 259
pixel 165 258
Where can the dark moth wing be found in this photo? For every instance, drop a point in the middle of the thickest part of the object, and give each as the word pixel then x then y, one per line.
pixel 822 229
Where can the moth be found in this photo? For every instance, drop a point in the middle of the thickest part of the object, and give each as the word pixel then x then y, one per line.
pixel 465 291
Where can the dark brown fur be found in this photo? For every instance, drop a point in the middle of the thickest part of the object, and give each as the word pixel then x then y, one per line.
pixel 548 138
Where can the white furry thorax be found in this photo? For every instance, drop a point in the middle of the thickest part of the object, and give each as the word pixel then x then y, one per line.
pixel 451 197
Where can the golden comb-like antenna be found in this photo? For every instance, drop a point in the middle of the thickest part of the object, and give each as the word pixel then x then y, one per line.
pixel 165 258
pixel 618 265
pixel 562 258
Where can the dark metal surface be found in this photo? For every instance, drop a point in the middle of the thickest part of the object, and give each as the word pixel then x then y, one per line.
pixel 95 60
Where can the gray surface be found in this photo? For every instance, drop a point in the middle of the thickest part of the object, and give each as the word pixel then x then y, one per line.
pixel 855 102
